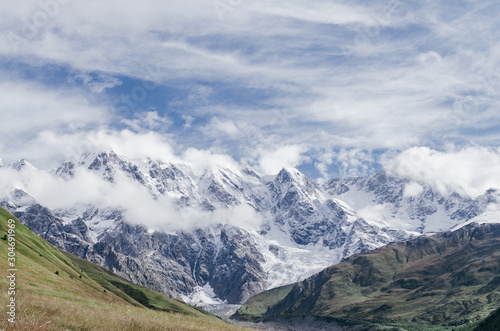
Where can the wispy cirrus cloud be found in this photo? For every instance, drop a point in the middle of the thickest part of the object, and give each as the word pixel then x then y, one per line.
pixel 333 78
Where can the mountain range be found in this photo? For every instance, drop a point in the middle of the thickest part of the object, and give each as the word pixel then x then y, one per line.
pixel 252 231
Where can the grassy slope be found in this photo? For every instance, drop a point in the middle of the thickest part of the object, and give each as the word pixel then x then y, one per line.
pixel 431 281
pixel 130 292
pixel 258 304
pixel 83 296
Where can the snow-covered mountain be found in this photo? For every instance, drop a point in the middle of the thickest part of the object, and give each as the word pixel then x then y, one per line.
pixel 253 232
pixel 401 203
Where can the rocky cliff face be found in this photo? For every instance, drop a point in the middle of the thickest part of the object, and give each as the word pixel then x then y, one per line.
pixel 304 227
pixel 174 264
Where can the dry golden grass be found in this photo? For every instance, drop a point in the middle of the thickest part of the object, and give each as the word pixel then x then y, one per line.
pixel 43 312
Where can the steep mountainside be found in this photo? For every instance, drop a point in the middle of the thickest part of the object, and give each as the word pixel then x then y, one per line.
pixel 446 279
pixel 304 227
pixel 490 323
pixel 55 290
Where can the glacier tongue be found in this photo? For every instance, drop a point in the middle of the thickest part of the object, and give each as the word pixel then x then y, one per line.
pixel 202 295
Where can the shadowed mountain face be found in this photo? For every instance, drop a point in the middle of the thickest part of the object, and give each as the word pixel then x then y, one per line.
pixel 446 279
pixel 491 323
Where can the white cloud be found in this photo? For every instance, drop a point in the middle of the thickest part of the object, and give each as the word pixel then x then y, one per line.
pixel 200 95
pixel 375 212
pixel 272 161
pixel 188 121
pixel 325 12
pixel 412 190
pixel 148 121
pixel 225 127
pixel 28 109
pixel 201 160
pixel 48 149
pixel 136 202
pixel 130 144
pixel 430 58
pixel 99 84
pixel 470 171
pixel 348 162
pixel 338 70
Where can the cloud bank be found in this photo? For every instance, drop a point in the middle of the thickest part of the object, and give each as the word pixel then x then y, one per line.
pixel 470 171
pixel 135 201
pixel 265 82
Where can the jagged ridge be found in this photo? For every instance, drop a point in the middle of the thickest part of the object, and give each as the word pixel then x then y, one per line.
pixel 306 227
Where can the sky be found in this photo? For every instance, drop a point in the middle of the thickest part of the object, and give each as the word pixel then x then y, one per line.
pixel 335 88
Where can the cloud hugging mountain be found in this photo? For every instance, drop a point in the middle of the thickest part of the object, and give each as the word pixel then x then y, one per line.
pixel 190 229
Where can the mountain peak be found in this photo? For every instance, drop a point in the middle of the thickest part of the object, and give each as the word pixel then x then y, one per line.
pixel 22 164
pixel 20 198
pixel 106 153
pixel 489 191
pixel 284 176
pixel 98 158
pixel 288 174
pixel 248 171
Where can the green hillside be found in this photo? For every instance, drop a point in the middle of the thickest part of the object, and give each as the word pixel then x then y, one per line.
pixel 55 290
pixel 444 281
